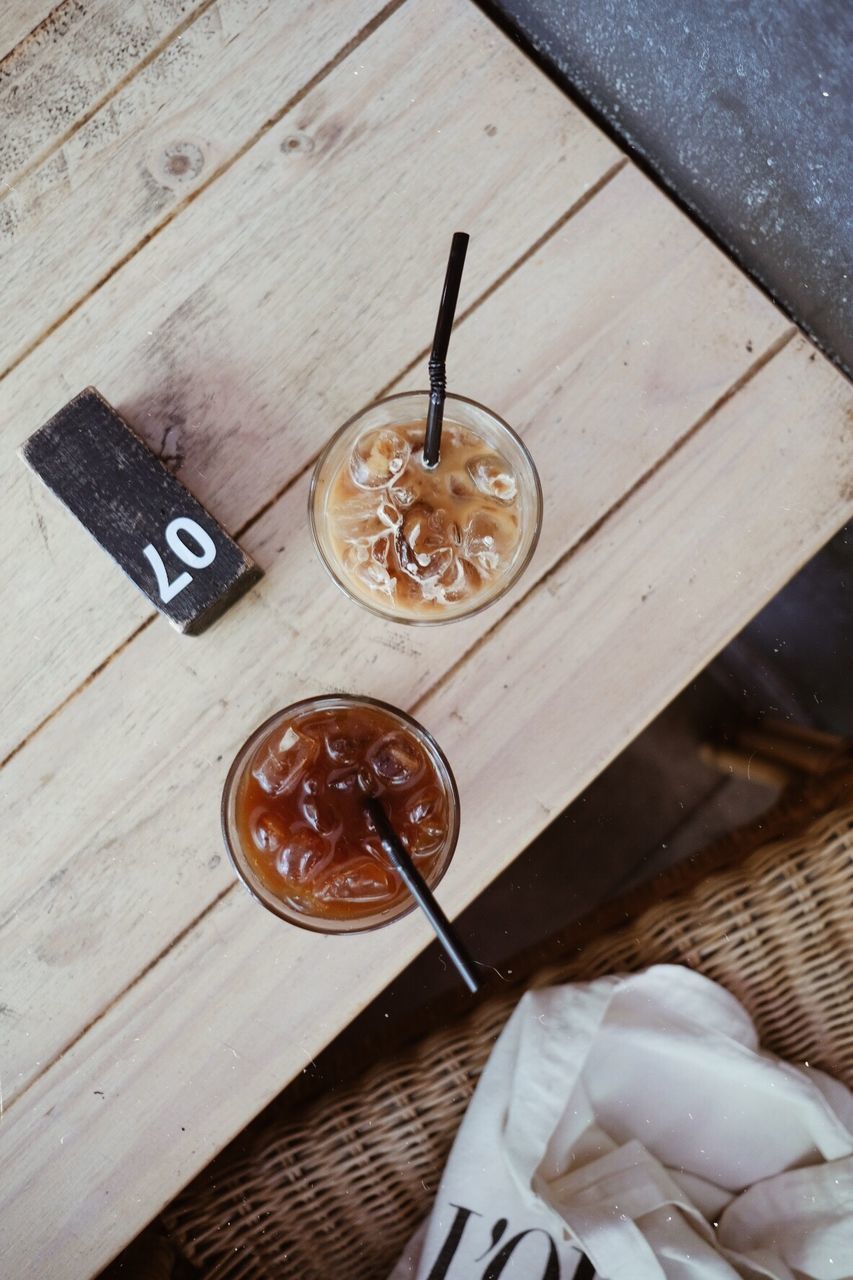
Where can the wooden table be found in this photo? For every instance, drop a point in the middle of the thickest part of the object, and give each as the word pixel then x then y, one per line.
pixel 233 219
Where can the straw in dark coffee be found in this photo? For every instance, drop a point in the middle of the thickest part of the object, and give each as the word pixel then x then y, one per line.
pixel 418 888
pixel 440 343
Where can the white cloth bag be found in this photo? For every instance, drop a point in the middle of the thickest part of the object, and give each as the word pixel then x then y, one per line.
pixel 632 1128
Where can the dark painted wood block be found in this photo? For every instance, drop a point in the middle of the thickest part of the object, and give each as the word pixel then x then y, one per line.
pixel 154 529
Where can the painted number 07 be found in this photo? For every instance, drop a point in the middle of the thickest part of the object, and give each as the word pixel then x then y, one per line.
pixel 176 533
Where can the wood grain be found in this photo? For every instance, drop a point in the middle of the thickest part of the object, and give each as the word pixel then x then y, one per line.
pixel 693 455
pixel 237 339
pixel 641 327
pixel 67 59
pixel 169 127
pixel 169 1074
pixel 18 19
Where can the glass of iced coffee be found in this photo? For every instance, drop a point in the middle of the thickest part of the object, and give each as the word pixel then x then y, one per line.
pixel 418 544
pixel 295 822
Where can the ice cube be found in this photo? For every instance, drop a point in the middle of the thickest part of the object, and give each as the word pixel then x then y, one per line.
pixel 360 879
pixel 367 784
pixel 341 747
pixel 379 551
pixel 461 581
pixel 389 516
pixel 280 765
pixel 422 807
pixel 377 457
pixel 321 817
pixel 426 568
pixel 424 541
pixel 424 842
pixel 268 831
pixel 396 759
pixel 493 476
pixel 480 542
pixel 304 855
pixel 365 517
pixel 403 493
pixel 426 824
pixel 344 779
pixel 368 551
pixel 367 566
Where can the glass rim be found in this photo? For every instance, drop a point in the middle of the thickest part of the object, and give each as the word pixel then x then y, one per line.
pixel 377 609
pixel 313 924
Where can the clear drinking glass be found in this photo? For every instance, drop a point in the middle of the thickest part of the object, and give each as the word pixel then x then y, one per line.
pixel 256 833
pixel 434 560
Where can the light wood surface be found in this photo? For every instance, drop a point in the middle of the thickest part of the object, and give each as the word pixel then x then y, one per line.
pixel 694 451
pixel 235 340
pixel 637 299
pixel 62 61
pixel 208 79
pixel 18 18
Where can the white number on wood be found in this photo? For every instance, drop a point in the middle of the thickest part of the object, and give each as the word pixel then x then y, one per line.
pixel 168 590
pixel 200 559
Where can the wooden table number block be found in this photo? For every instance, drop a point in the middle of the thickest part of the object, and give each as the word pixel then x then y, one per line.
pixel 155 530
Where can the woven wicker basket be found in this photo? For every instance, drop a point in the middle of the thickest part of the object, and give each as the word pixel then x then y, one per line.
pixel 338 1191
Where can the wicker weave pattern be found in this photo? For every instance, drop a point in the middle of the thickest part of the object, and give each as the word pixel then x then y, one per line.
pixel 339 1192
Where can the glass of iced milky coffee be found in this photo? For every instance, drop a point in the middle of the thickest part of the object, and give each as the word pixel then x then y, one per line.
pixel 295 822
pixel 418 544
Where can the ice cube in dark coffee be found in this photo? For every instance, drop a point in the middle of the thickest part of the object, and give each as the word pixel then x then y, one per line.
pixel 300 817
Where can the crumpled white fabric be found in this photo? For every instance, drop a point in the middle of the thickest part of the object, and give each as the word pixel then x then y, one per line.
pixel 636 1121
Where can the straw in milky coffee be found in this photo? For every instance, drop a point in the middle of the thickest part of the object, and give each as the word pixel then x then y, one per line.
pixel 418 888
pixel 440 343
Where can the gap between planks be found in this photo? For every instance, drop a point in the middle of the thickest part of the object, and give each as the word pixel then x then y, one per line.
pixel 257 515
pixel 120 995
pixel 589 533
pixel 41 157
pixel 761 361
pixel 30 32
pixel 487 293
pixel 21 40
pixel 557 226
pixel 293 101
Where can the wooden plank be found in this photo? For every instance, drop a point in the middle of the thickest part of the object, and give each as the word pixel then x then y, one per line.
pixel 124 169
pixel 66 60
pixel 140 514
pixel 641 327
pixel 167 1075
pixel 271 308
pixel 18 18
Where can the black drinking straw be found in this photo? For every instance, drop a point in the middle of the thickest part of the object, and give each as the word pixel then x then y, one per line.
pixel 414 882
pixel 443 325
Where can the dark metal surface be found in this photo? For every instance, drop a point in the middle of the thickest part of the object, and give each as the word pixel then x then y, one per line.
pixel 744 108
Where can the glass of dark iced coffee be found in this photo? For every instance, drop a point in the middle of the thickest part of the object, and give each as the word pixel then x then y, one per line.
pixel 418 544
pixel 295 822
